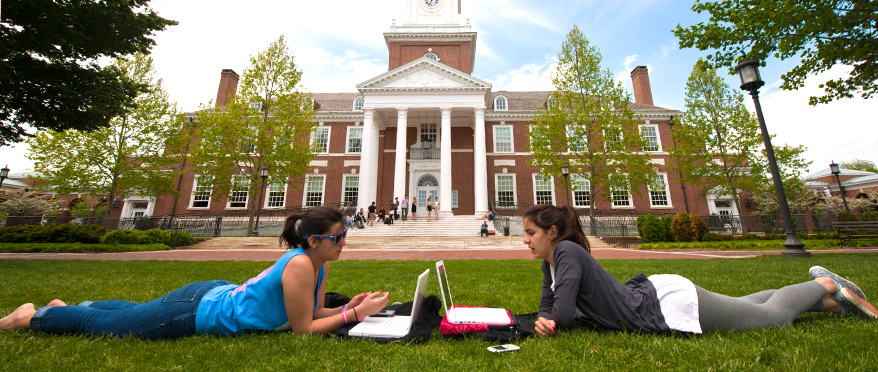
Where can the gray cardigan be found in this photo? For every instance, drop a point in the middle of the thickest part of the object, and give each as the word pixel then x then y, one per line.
pixel 581 283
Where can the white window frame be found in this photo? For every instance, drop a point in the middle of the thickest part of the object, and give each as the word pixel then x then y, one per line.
pixel 551 187
pixel 580 146
pixel 344 185
pixel 347 147
pixel 511 139
pixel 305 190
pixel 620 142
pixel 587 182
pixel 314 138
pixel 432 56
pixel 497 105
pixel 245 181
pixel 195 191
pixel 454 200
pixel 268 192
pixel 667 191
pixel 658 137
pixel 497 189
pixel 629 197
pixel 359 101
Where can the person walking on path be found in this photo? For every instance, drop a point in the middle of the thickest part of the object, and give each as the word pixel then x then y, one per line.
pixel 429 208
pixel 288 296
pixel 414 208
pixel 404 206
pixel 371 214
pixel 575 286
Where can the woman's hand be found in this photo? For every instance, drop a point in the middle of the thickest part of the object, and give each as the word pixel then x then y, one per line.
pixel 545 327
pixel 358 299
pixel 372 303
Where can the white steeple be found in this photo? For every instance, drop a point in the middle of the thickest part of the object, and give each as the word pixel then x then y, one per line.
pixel 432 12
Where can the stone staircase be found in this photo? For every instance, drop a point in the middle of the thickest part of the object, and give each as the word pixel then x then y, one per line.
pixel 596 243
pixel 447 225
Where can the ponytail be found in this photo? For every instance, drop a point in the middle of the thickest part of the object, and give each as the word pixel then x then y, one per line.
pixel 563 218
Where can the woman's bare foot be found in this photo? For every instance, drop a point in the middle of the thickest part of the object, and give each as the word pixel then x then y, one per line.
pixel 56 302
pixel 830 306
pixel 19 319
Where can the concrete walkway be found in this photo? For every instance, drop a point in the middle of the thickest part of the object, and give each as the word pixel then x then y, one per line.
pixel 376 248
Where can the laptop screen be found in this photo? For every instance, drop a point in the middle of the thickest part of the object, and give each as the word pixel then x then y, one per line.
pixel 420 292
pixel 444 286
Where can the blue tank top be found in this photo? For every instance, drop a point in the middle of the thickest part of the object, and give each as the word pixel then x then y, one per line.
pixel 258 304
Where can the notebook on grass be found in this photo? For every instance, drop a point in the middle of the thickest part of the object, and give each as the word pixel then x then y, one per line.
pixel 394 326
pixel 467 315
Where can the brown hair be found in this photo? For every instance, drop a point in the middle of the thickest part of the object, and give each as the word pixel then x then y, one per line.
pixel 564 218
pixel 316 221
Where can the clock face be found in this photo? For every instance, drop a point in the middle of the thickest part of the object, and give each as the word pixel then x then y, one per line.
pixel 431 3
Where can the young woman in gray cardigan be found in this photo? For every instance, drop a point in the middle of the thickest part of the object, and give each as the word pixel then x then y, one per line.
pixel 575 286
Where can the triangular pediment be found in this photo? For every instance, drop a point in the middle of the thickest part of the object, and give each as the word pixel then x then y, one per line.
pixel 424 73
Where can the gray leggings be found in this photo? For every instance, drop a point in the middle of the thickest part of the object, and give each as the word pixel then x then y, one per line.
pixel 766 309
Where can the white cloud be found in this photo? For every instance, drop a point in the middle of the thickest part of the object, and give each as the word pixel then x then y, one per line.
pixel 841 130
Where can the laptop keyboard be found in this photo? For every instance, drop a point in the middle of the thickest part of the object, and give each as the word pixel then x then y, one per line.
pixel 397 323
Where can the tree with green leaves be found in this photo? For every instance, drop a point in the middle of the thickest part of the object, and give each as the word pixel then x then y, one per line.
pixel 718 140
pixel 134 155
pixel 49 53
pixel 267 124
pixel 589 126
pixel 791 165
pixel 821 33
pixel 860 164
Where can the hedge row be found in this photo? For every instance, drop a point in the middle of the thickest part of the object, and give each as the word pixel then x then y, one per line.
pixel 91 234
pixel 819 244
pixel 78 248
pixel 681 228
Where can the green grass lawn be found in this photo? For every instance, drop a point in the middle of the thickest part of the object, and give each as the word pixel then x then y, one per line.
pixel 815 342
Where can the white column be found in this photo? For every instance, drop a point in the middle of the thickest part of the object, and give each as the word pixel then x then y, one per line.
pixel 399 165
pixel 377 152
pixel 445 163
pixel 367 153
pixel 480 181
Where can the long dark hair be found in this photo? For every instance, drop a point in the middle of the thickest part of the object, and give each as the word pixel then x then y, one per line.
pixel 563 218
pixel 316 221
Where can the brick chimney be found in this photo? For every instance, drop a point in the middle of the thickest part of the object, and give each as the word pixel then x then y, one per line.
pixel 228 86
pixel 642 90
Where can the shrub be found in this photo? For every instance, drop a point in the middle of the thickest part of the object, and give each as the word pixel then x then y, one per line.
pixel 181 239
pixel 123 237
pixel 681 227
pixel 66 233
pixel 653 230
pixel 699 227
pixel 640 222
pixel 155 236
pixel 712 237
pixel 666 221
pixel 846 217
pixel 869 216
pixel 78 247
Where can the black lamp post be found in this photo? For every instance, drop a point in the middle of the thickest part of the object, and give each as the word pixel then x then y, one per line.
pixel 565 171
pixel 834 169
pixel 748 71
pixel 4 172
pixel 264 175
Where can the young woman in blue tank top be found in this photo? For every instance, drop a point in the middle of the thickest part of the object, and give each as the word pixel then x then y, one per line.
pixel 287 296
pixel 576 287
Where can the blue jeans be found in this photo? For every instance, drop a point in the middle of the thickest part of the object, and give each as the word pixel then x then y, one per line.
pixel 171 316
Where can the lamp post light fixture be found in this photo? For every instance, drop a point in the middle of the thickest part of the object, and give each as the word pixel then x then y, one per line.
pixel 748 71
pixel 264 175
pixel 833 167
pixel 565 171
pixel 4 172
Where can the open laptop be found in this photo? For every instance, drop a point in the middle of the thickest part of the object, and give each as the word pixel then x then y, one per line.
pixel 465 315
pixel 394 326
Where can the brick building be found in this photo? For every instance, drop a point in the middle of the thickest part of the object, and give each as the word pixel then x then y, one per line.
pixel 429 128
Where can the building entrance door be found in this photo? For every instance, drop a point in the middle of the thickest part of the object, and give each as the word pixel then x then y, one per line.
pixel 428 187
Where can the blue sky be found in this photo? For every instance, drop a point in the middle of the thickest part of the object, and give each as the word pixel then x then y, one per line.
pixel 339 44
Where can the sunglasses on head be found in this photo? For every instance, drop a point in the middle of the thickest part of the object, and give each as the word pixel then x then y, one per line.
pixel 336 239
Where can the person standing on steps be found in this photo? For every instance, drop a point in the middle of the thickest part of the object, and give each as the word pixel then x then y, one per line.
pixel 404 205
pixel 436 207
pixel 429 208
pixel 371 214
pixel 414 209
pixel 394 206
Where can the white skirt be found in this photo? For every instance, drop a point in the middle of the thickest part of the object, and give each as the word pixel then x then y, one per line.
pixel 678 301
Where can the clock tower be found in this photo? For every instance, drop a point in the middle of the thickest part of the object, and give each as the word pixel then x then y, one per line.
pixel 432 29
